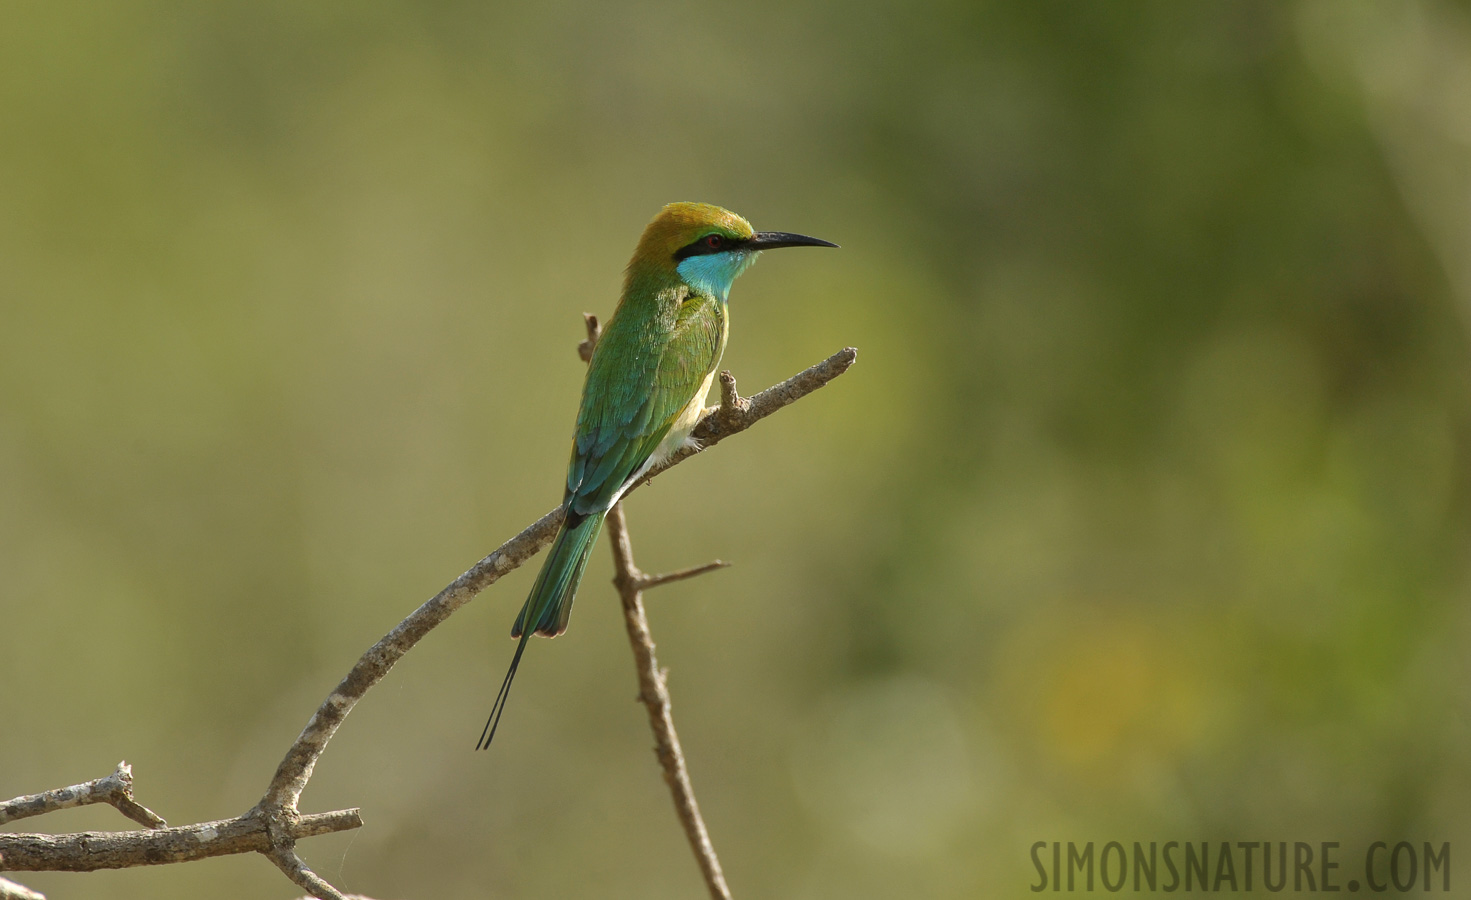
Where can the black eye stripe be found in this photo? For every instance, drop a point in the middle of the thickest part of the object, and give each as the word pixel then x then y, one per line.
pixel 702 246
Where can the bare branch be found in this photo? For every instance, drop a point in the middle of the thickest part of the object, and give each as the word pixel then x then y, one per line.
pixel 88 851
pixel 274 825
pixel 115 789
pixel 744 412
pixel 652 581
pixel 654 694
pixel 9 890
pixel 296 769
pixel 288 862
pixel 631 582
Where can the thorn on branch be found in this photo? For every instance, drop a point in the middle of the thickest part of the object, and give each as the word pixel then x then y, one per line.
pixel 732 404
pixel 594 331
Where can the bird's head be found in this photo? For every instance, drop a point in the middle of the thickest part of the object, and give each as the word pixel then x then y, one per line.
pixel 706 246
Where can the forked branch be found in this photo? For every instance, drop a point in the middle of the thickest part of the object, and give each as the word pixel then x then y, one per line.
pixel 654 694
pixel 631 582
pixel 274 825
pixel 116 789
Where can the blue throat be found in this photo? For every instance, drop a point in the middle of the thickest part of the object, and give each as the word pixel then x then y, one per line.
pixel 713 273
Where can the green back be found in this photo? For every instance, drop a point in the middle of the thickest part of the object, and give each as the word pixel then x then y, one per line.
pixel 663 341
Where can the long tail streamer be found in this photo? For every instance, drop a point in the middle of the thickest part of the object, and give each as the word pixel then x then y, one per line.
pixel 488 734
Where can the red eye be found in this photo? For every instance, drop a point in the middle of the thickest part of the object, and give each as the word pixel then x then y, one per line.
pixel 714 241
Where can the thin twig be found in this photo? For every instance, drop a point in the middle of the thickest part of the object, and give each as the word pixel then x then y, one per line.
pixel 88 851
pixel 288 862
pixel 653 581
pixel 115 789
pixel 654 694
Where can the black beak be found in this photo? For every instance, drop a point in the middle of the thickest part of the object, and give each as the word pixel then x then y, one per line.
pixel 771 240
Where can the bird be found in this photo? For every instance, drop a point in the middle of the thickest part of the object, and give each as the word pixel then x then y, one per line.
pixel 645 390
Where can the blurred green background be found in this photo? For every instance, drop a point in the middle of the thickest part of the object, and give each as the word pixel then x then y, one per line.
pixel 1143 515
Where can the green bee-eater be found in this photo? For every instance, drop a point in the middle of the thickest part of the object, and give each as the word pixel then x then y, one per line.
pixel 645 388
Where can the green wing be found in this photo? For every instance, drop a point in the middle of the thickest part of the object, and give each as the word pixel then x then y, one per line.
pixel 644 372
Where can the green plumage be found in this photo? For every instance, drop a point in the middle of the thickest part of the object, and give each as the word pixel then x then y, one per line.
pixel 645 389
pixel 650 364
pixel 647 368
pixel 557 584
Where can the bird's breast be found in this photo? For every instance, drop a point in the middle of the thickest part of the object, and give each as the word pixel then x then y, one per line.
pixel 684 423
